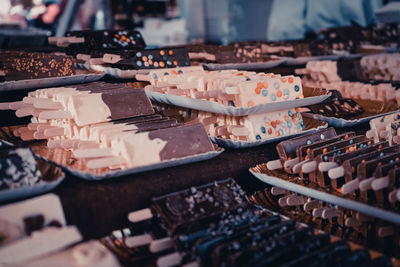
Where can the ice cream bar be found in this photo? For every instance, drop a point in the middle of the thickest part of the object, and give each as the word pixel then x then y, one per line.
pixel 107 39
pixel 303 152
pixel 155 58
pixel 335 147
pixel 198 202
pixel 269 90
pixel 266 126
pixel 163 144
pixel 287 149
pixel 105 106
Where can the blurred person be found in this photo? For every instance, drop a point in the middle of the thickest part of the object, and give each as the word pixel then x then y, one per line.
pixel 294 19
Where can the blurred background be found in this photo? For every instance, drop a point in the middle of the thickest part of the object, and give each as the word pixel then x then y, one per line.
pixel 175 22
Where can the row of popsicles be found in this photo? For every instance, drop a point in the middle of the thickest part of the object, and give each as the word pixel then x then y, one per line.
pixel 365 166
pixel 216 225
pixel 111 125
pixel 323 74
pixel 332 219
pixel 253 127
pixel 228 87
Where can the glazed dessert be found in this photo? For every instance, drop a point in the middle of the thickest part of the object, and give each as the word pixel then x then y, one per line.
pixel 215 224
pixel 24 65
pixel 230 87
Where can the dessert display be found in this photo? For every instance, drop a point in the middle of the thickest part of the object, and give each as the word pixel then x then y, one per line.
pixel 230 88
pixel 122 126
pixel 361 168
pixel 329 196
pixel 16 65
pixel 215 224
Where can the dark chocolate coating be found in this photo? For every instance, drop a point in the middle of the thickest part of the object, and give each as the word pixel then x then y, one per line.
pixel 126 102
pixel 33 223
pixel 24 65
pixel 183 141
pixel 288 148
pixel 156 58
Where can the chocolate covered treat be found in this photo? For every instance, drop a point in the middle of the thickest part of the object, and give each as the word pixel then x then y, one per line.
pixel 102 40
pixel 215 225
pixel 18 168
pixel 153 59
pixel 24 65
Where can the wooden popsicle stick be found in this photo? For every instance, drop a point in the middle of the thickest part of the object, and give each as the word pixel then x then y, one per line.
pixel 370 134
pixel 24 112
pixel 42 127
pixel 317 212
pixel 288 164
pixel 5 106
pixel 137 241
pixel 335 173
pixel 27 135
pixel 143 77
pixel 309 167
pixel 161 245
pixel 326 166
pixel 380 183
pixel 33 126
pixel 352 222
pixel 93 153
pixel 297 168
pixel 385 231
pixel 83 57
pixel 23 129
pixel 46 103
pixel 169 260
pixel 39 135
pixel 54 143
pixel 231 90
pixel 295 200
pixel 36 112
pixel 16 133
pixel 52 132
pixel 350 186
pixel 226 97
pixel 68 143
pixel 274 165
pixel 276 191
pixel 29 99
pixel 176 92
pixel 75 40
pixel 87 144
pixel 52 40
pixel 111 58
pixel 96 61
pixel 55 114
pixel 283 201
pixel 105 162
pixel 17 105
pixel 140 215
pixel 311 205
pixel 209 120
pixel 222 130
pixel 238 130
pixel 329 213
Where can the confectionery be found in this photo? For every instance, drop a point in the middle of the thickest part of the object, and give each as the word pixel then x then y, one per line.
pixel 199 133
